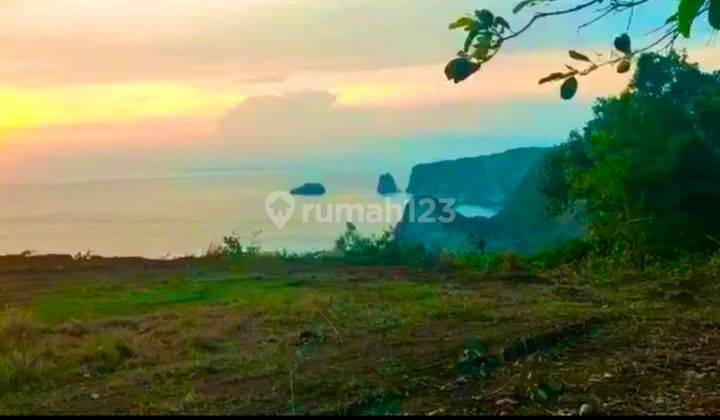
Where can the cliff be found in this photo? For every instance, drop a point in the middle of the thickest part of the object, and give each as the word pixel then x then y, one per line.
pixel 520 226
pixel 484 180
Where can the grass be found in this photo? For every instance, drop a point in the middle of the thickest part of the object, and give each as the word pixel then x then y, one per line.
pixel 319 337
pixel 97 300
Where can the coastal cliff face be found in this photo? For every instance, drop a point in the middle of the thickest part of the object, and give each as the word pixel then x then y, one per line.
pixel 520 226
pixel 484 180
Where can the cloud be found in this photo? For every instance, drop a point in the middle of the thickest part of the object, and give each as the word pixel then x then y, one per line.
pixel 86 41
pixel 81 41
pixel 339 78
pixel 263 79
pixel 314 123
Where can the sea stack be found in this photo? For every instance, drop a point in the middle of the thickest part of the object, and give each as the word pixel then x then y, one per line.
pixel 311 188
pixel 387 185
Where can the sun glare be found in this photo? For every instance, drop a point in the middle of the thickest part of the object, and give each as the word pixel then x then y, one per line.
pixel 59 106
pixel 363 94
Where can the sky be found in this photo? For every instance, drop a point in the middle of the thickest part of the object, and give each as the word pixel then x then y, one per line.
pixel 122 88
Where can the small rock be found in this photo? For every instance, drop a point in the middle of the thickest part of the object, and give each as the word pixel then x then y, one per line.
pixel 566 399
pixel 691 375
pixel 387 185
pixel 95 396
pixel 506 401
pixel 587 410
pixel 310 188
pixel 462 380
pixel 565 413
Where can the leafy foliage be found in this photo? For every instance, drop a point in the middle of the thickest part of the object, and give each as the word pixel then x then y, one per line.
pixel 714 14
pixel 475 361
pixel 233 246
pixel 687 10
pixel 492 263
pixel 569 88
pixel 623 43
pixel 487 33
pixel 647 166
pixel 383 249
pixel 483 40
pixel 460 69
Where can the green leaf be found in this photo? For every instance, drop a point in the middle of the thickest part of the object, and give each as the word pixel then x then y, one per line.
pixel 569 88
pixel 485 18
pixel 553 77
pixel 501 22
pixel 714 14
pixel 579 56
pixel 470 38
pixel 462 22
pixel 624 66
pixel 540 396
pixel 460 69
pixel 523 4
pixel 687 11
pixel 623 43
pixel 482 48
pixel 554 387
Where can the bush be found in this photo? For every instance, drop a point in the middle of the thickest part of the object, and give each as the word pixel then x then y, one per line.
pixel 570 252
pixel 647 166
pixel 105 354
pixel 23 356
pixel 18 330
pixel 383 249
pixel 20 368
pixel 493 262
pixel 233 246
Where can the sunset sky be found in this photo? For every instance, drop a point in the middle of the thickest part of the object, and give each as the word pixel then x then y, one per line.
pixel 113 88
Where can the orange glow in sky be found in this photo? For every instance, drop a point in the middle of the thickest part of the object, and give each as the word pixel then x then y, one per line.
pixel 88 71
pixel 111 103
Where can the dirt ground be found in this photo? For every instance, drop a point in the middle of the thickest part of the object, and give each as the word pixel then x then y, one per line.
pixel 268 336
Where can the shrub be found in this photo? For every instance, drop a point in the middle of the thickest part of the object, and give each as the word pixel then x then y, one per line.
pixel 647 166
pixel 569 252
pixel 14 329
pixel 383 249
pixel 493 262
pixel 106 353
pixel 20 368
pixel 233 246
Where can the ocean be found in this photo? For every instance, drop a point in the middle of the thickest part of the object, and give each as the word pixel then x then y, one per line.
pixel 181 215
